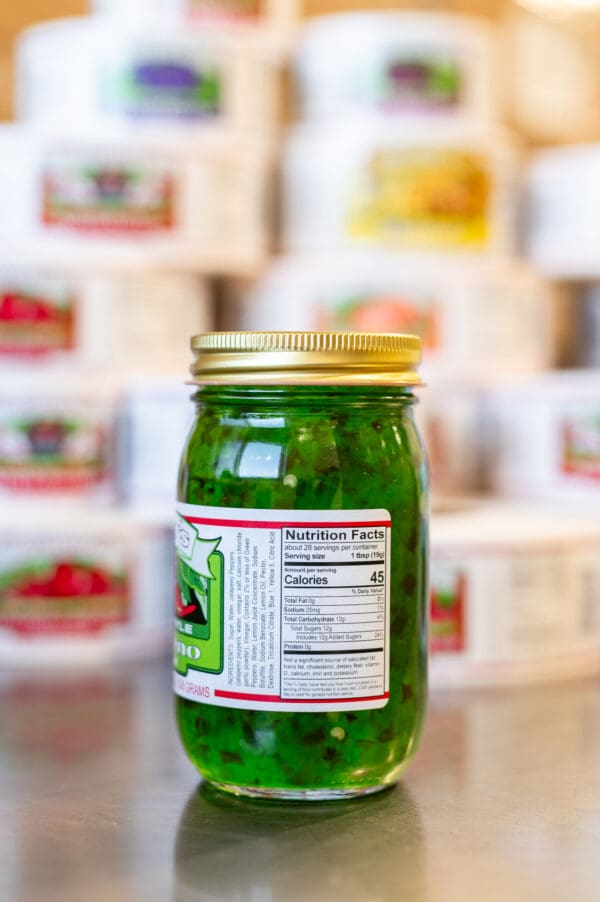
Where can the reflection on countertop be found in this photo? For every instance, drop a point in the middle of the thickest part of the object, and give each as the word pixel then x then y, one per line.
pixel 99 803
pixel 237 850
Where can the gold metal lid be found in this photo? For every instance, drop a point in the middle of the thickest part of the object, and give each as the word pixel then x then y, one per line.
pixel 305 358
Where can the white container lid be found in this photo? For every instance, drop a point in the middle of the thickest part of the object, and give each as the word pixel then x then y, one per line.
pixel 164 388
pixel 161 142
pixel 95 32
pixel 60 383
pixel 180 10
pixel 561 163
pixel 369 128
pixel 495 526
pixel 107 259
pixel 138 8
pixel 564 211
pixel 324 32
pixel 30 518
pixel 549 388
pixel 381 265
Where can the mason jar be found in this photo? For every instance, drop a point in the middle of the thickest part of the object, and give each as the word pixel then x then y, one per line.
pixel 300 647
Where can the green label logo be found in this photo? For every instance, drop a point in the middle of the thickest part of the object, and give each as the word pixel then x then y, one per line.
pixel 199 601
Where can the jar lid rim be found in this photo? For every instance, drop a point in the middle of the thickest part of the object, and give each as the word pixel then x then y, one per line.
pixel 306 357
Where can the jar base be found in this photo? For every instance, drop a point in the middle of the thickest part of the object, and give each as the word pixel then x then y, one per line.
pixel 299 795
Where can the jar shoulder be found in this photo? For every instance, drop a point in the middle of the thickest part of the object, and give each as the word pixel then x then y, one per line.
pixel 310 457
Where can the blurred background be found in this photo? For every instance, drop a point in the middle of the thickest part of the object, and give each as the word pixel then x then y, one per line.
pixel 169 166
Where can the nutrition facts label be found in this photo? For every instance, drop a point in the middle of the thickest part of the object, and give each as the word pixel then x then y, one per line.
pixel 334 606
pixel 283 610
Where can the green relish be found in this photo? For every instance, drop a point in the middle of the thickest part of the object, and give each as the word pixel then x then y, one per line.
pixel 320 627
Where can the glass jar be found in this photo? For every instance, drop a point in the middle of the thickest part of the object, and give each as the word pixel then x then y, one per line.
pixel 302 545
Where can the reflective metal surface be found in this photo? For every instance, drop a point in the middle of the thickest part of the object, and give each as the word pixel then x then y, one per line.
pixel 97 802
pixel 306 358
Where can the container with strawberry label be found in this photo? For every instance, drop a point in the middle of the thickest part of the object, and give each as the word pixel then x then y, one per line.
pixel 128 319
pixel 446 611
pixel 37 315
pixel 78 586
pixel 63 595
pixel 543 437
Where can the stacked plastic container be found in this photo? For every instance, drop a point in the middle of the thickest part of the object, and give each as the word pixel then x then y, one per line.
pixel 139 171
pixel 399 211
pixel 400 193
pixel 541 452
pixel 544 433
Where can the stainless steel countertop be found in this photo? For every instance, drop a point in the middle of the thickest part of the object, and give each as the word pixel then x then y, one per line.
pixel 98 802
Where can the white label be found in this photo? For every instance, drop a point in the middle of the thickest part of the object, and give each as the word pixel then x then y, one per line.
pixel 283 610
pixel 548 608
